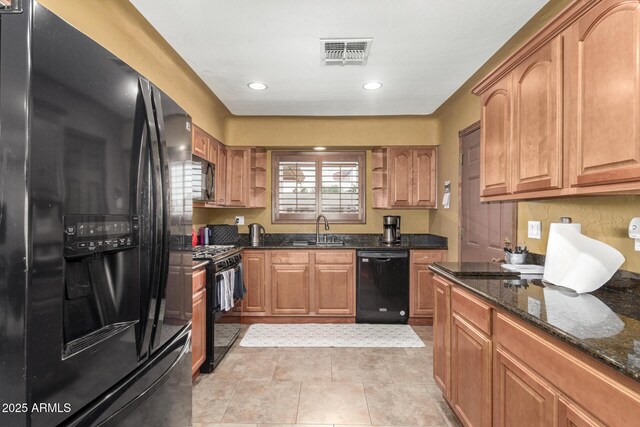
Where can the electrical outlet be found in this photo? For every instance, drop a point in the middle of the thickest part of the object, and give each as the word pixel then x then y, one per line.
pixel 240 220
pixel 534 230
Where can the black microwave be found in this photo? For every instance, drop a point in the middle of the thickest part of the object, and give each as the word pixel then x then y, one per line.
pixel 204 180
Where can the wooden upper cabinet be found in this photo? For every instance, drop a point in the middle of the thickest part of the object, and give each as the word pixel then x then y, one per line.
pixel 221 176
pixel 404 177
pixel 604 66
pixel 200 143
pixel 424 177
pixel 495 139
pixel 400 171
pixel 238 176
pixel 537 120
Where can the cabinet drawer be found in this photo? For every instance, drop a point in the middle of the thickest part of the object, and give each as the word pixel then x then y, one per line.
pixel 334 257
pixel 426 257
pixel 199 279
pixel 472 309
pixel 290 257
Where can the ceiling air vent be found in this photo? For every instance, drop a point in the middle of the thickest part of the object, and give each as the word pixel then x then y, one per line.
pixel 345 51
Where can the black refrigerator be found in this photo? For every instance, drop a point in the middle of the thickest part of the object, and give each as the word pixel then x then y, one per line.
pixel 95 242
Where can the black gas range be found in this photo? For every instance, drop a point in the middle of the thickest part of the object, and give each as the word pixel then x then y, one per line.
pixel 224 275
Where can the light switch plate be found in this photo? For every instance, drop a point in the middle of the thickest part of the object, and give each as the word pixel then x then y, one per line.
pixel 637 245
pixel 534 230
pixel 240 220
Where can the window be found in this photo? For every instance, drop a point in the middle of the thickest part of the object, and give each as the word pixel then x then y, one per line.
pixel 306 185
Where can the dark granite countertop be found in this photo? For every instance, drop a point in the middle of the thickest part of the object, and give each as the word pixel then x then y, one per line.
pixel 460 269
pixel 604 324
pixel 352 241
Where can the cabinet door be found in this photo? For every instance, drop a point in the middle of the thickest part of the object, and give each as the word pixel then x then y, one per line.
pixel 520 397
pixel 200 143
pixel 238 176
pixel 441 334
pixel 334 289
pixel 221 176
pixel 537 120
pixel 424 177
pixel 400 162
pixel 604 61
pixel 470 373
pixel 289 289
pixel 198 333
pixel 254 281
pixel 571 415
pixel 495 139
pixel 422 291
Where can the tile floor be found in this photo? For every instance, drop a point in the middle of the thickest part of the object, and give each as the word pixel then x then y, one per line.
pixel 322 387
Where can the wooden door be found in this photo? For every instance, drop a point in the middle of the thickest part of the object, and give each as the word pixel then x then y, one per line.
pixel 289 289
pixel 200 143
pixel 604 59
pixel 221 176
pixel 441 334
pixel 238 176
pixel 483 226
pixel 424 177
pixel 400 161
pixel 254 280
pixel 470 373
pixel 495 155
pixel 198 330
pixel 571 415
pixel 520 398
pixel 537 120
pixel 334 289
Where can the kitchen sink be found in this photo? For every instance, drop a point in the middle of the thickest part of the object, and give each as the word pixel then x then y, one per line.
pixel 300 243
pixel 333 243
pixel 328 243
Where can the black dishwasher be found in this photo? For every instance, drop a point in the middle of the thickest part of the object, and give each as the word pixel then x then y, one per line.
pixel 382 287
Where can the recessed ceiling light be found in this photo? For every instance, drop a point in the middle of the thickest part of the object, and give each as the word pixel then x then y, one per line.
pixel 372 85
pixel 319 148
pixel 257 85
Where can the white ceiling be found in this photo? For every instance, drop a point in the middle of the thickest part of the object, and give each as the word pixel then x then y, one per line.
pixel 422 51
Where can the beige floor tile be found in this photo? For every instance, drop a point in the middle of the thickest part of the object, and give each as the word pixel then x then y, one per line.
pixel 303 367
pixel 402 405
pixel 295 425
pixel 239 366
pixel 332 403
pixel 411 370
pixel 450 417
pixel 223 425
pixel 360 368
pixel 391 351
pixel 210 403
pixel 263 402
pixel 426 351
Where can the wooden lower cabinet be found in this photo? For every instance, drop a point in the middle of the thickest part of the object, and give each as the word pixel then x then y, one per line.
pixel 421 285
pixel 289 289
pixel 334 289
pixel 571 415
pixel 198 330
pixel 255 282
pixel 529 378
pixel 441 334
pixel 520 397
pixel 470 373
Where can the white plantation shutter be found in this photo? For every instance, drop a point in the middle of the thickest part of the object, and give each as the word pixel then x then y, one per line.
pixel 308 184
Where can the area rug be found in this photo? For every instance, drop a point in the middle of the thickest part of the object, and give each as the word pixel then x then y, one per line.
pixel 330 335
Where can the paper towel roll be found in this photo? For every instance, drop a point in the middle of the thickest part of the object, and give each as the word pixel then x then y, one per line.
pixel 578 262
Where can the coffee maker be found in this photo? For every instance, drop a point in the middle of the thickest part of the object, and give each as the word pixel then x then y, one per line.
pixel 391 230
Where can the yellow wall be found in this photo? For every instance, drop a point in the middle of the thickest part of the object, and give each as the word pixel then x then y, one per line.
pixel 305 132
pixel 331 131
pixel 603 218
pixel 120 28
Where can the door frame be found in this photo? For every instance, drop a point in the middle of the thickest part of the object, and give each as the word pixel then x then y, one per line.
pixel 514 221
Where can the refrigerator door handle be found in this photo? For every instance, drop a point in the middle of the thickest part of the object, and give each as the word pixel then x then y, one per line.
pixel 155 190
pixel 165 200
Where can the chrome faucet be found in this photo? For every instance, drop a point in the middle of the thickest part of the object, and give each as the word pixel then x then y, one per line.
pixel 326 227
